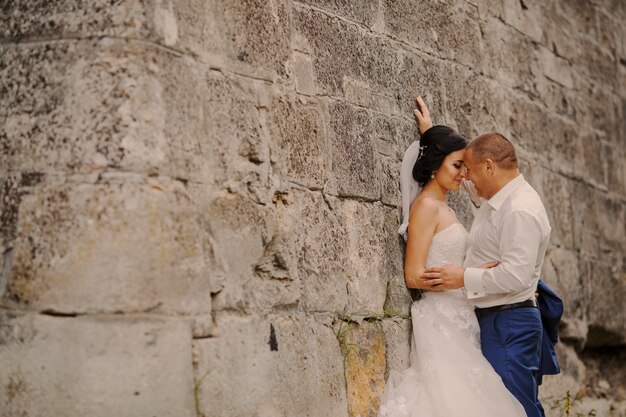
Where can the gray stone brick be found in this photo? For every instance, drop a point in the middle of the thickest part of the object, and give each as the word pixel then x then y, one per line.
pixel 289 365
pixel 256 33
pixel 528 16
pixel 364 12
pixel 119 245
pixel 508 56
pixel 128 366
pixel 340 50
pixel 299 141
pixel 447 29
pixel 322 242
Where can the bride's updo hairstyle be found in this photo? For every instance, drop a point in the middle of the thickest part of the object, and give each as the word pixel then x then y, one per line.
pixel 436 143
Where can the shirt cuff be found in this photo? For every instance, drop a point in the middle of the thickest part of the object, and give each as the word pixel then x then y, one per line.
pixel 473 278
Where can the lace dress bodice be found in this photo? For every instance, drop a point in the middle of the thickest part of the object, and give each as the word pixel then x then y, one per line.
pixel 449 247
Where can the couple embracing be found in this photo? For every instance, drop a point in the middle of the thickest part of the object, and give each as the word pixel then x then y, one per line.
pixel 477 332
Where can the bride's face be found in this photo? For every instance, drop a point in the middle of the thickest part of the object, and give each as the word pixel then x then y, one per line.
pixel 451 172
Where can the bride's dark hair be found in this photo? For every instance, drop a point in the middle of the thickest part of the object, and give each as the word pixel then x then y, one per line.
pixel 436 143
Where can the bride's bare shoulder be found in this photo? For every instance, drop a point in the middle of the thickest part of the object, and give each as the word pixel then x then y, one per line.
pixel 425 207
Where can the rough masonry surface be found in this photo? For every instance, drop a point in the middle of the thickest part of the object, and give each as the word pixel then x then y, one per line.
pixel 198 199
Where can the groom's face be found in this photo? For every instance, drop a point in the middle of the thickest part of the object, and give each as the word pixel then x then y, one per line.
pixel 475 173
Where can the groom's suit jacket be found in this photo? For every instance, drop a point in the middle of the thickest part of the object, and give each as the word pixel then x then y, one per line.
pixel 551 309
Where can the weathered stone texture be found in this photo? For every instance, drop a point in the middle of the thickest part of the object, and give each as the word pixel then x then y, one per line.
pixel 300 142
pixel 224 175
pixel 95 366
pixel 138 242
pixel 446 29
pixel 365 366
pixel 282 365
pixel 364 12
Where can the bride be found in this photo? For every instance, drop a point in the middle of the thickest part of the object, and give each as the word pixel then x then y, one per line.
pixel 448 376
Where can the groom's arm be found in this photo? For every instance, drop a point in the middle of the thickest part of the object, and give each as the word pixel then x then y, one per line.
pixel 519 245
pixel 450 277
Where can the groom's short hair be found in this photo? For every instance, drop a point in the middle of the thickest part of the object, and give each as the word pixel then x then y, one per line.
pixel 494 146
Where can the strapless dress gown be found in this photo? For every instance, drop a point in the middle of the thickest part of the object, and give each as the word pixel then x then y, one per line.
pixel 448 376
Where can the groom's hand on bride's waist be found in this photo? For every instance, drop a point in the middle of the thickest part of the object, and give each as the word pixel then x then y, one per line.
pixel 448 277
pixel 445 277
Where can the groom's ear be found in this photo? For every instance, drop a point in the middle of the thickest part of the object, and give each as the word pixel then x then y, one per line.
pixel 490 166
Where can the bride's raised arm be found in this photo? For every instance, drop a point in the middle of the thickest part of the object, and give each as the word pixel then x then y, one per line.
pixel 422 115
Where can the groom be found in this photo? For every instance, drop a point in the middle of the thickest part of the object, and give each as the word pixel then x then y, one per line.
pixel 511 226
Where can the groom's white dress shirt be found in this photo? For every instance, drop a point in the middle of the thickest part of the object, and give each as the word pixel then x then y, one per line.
pixel 512 228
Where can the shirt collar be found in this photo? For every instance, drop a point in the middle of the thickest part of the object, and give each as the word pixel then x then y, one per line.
pixel 500 197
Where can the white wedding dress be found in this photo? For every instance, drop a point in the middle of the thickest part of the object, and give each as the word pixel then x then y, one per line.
pixel 449 376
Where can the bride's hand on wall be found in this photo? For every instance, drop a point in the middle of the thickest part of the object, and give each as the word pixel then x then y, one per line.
pixel 424 122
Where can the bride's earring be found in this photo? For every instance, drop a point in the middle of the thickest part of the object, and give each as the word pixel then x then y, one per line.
pixel 432 176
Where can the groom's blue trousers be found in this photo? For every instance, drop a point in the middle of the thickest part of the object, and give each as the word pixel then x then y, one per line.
pixel 511 342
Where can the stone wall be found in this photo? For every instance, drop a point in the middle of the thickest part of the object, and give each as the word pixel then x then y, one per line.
pixel 198 198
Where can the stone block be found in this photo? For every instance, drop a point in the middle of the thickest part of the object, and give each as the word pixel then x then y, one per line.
pixel 303 73
pixel 292 254
pixel 559 99
pixel 585 229
pixel 97 366
pixel 596 63
pixel 278 282
pixel 488 8
pixel 474 105
pixel 299 144
pixel 508 56
pixel 367 276
pixel 90 105
pixel 595 160
pixel 389 171
pixel 341 51
pixel 607 324
pixel 554 190
pixel 397 334
pixel 365 368
pixel 398 297
pixel 285 365
pixel 598 108
pixel 71 19
pixel 236 225
pixel 366 146
pixel 530 17
pixel 561 271
pixel 321 242
pixel 555 68
pixel 234 142
pixel 599 222
pixel 210 30
pixel 553 140
pixel 353 157
pixel 448 30
pixel 121 244
pixel 616 167
pixel 419 74
pixel 255 33
pixel 580 15
pixel 364 12
pixel 609 31
pixel 358 93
